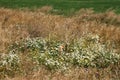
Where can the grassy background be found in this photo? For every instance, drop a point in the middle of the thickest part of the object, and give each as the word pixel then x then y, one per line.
pixel 17 25
pixel 63 6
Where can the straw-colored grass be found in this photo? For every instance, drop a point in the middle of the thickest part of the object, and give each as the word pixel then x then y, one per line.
pixel 19 24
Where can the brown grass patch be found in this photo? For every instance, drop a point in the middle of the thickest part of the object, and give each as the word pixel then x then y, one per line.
pixel 17 24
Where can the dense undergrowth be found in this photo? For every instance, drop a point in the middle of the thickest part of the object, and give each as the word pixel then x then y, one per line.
pixel 39 46
pixel 85 52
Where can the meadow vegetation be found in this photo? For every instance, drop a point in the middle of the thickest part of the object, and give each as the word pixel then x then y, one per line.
pixel 64 7
pixel 36 45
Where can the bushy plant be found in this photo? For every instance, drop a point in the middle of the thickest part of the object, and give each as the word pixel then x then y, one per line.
pixel 86 51
pixel 9 64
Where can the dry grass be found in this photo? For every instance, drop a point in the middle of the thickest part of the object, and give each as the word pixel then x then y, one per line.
pixel 73 74
pixel 17 24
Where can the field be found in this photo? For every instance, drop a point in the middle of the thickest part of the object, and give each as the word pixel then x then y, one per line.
pixel 66 7
pixel 38 45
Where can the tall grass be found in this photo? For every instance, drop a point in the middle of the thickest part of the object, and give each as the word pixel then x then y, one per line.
pixel 17 25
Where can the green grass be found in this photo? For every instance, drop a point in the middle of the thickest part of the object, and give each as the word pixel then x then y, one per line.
pixel 64 6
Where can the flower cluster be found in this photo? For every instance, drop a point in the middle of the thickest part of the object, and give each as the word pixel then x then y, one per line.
pixel 86 51
pixel 9 63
